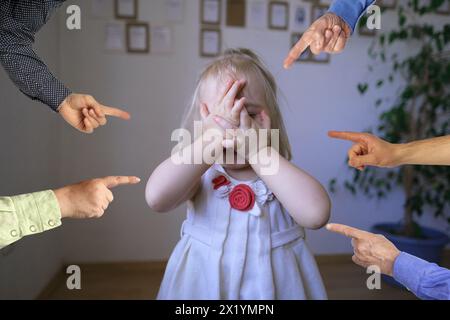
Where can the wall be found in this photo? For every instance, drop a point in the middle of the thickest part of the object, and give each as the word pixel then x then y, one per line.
pixel 156 89
pixel 29 159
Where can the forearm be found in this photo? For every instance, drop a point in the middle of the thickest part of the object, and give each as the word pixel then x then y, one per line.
pixel 24 67
pixel 302 195
pixel 434 151
pixel 350 10
pixel 27 214
pixel 173 183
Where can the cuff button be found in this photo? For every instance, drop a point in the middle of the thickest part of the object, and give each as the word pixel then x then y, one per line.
pixel 14 233
pixel 33 229
pixel 51 223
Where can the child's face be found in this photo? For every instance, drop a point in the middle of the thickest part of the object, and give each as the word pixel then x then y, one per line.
pixel 255 104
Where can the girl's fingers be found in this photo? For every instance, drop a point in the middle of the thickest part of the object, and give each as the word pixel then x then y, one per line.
pixel 237 108
pixel 246 121
pixel 204 112
pixel 233 92
pixel 225 89
pixel 225 124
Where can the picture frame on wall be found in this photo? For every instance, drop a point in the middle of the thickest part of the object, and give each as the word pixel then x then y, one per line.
pixel 300 19
pixel 306 55
pixel 236 13
pixel 278 15
pixel 210 42
pixel 211 12
pixel 138 37
pixel 126 9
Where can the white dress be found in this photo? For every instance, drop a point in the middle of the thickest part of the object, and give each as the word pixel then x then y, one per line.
pixel 226 254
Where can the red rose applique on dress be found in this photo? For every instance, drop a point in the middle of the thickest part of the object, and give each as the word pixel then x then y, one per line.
pixel 220 181
pixel 250 198
pixel 242 198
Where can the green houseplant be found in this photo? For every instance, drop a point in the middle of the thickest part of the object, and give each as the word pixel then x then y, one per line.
pixel 416 55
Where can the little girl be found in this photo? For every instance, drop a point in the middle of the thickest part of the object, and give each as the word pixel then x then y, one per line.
pixel 244 233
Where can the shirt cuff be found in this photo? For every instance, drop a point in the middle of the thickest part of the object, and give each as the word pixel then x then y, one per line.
pixel 408 270
pixel 349 10
pixel 55 95
pixel 37 212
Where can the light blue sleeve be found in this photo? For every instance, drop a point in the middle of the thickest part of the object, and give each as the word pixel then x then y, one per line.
pixel 350 10
pixel 426 280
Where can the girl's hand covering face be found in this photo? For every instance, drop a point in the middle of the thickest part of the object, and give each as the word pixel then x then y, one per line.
pixel 238 137
pixel 236 118
pixel 228 106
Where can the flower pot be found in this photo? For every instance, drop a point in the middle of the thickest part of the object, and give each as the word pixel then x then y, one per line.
pixel 429 248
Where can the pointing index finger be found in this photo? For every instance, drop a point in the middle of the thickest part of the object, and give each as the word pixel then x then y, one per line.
pixel 347 231
pixel 112 182
pixel 115 112
pixel 298 49
pixel 345 135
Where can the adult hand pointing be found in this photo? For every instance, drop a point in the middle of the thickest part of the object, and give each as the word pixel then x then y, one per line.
pixel 85 114
pixel 369 150
pixel 329 33
pixel 89 199
pixel 370 249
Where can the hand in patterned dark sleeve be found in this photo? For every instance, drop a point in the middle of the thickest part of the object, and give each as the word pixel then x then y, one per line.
pixel 85 114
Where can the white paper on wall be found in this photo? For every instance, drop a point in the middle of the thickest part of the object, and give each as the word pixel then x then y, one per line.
pixel 279 16
pixel 125 7
pixel 301 17
pixel 175 10
pixel 161 38
pixel 138 38
pixel 211 42
pixel 257 14
pixel 211 11
pixel 114 37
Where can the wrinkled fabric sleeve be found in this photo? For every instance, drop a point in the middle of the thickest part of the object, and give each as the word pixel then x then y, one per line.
pixel 350 10
pixel 426 280
pixel 26 215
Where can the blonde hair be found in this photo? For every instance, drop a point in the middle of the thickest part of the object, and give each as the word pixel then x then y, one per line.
pixel 245 62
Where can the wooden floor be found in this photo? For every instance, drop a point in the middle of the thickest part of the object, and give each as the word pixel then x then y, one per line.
pixel 343 280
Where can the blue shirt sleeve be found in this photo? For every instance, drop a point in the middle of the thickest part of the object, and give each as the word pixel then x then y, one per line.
pixel 350 10
pixel 426 280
